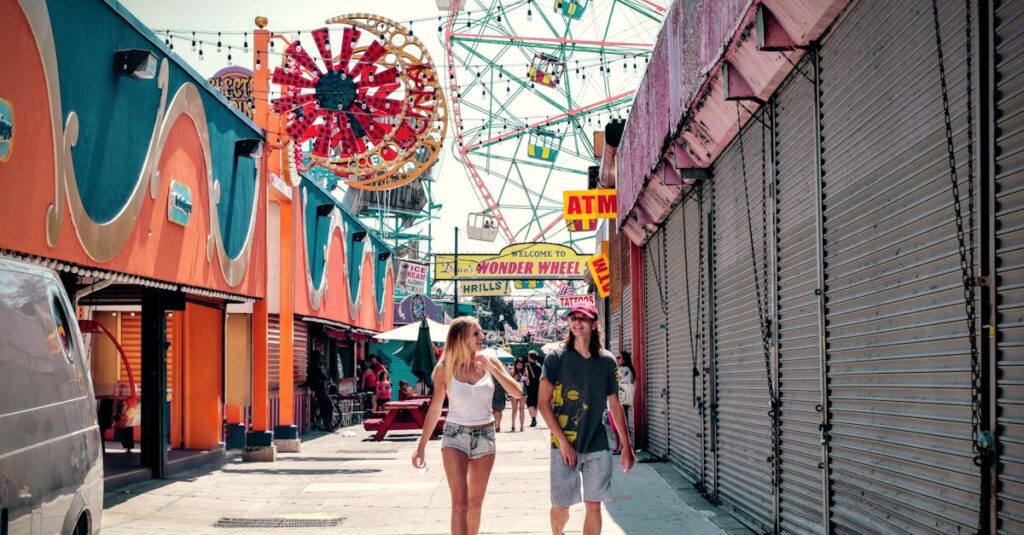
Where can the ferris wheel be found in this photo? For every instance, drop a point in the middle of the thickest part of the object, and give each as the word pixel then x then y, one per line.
pixel 529 84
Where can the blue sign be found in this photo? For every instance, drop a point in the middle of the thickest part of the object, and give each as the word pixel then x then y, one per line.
pixel 6 130
pixel 179 203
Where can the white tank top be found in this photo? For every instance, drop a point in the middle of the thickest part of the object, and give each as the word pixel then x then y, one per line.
pixel 470 404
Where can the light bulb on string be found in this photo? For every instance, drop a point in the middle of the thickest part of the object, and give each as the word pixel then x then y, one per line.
pixel 229 55
pixel 201 52
pixel 529 11
pixel 410 29
pixel 259 64
pixel 218 43
pixel 193 41
pixel 245 45
pixel 438 24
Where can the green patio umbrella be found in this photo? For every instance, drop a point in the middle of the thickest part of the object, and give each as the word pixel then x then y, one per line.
pixel 419 355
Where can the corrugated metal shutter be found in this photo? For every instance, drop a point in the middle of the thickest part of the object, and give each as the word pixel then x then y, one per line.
pixel 744 428
pixel 300 351
pixel 898 354
pixel 656 370
pixel 131 342
pixel 801 499
pixel 1009 21
pixel 685 328
pixel 615 332
pixel 273 351
pixel 627 318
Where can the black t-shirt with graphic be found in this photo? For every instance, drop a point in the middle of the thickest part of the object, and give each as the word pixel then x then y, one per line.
pixel 581 390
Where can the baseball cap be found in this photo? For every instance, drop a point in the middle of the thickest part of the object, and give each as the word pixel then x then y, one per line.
pixel 584 307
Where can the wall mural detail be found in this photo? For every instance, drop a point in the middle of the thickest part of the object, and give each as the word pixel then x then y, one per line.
pixel 102 241
pixel 317 255
pixel 6 130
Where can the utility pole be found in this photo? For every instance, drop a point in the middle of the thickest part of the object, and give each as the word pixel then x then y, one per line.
pixel 455 312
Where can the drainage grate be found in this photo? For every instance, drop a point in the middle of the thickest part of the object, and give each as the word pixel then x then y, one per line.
pixel 263 523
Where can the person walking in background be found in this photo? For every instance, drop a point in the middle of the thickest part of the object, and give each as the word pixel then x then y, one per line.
pixel 383 387
pixel 627 382
pixel 519 404
pixel 533 371
pixel 498 406
pixel 368 385
pixel 467 448
pixel 577 381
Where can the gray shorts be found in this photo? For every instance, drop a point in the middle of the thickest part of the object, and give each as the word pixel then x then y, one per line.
pixel 475 442
pixel 596 469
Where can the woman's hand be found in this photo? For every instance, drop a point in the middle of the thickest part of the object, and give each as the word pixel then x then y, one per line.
pixel 417 458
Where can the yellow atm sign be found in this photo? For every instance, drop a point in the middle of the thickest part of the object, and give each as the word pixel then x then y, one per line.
pixel 588 204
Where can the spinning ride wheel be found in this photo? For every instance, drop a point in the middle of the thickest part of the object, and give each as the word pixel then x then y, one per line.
pixel 372 108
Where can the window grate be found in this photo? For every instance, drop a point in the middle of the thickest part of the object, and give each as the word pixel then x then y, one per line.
pixel 264 523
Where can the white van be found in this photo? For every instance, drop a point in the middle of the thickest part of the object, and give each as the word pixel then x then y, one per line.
pixel 51 464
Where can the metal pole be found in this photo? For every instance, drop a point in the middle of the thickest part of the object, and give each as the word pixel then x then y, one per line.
pixel 773 300
pixel 826 484
pixel 455 307
pixel 986 162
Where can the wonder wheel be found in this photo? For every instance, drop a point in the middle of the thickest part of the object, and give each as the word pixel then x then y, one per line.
pixel 530 82
pixel 374 114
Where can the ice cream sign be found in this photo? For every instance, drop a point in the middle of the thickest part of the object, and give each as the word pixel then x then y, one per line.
pixel 179 203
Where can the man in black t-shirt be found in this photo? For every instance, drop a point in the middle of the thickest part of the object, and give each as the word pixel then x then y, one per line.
pixel 577 382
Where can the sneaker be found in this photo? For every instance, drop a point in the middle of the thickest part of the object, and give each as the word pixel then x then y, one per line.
pixel 533 422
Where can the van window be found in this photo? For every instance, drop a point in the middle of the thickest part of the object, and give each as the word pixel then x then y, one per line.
pixel 62 328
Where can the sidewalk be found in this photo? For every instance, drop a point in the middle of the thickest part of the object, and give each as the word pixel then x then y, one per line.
pixel 373 488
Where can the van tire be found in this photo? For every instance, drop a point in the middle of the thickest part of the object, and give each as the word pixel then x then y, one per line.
pixel 82 525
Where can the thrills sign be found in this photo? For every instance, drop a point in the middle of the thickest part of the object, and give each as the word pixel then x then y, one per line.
pixel 520 261
pixel 600 270
pixel 485 288
pixel 588 204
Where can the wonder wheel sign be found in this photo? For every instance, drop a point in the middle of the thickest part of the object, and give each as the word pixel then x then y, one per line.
pixel 372 111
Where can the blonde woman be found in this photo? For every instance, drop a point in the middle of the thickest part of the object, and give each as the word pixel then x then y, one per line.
pixel 467 378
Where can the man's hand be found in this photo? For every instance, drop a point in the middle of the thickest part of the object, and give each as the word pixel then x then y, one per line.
pixel 568 453
pixel 627 459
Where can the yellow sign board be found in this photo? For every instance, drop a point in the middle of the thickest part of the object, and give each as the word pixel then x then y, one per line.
pixel 600 270
pixel 588 204
pixel 519 261
pixel 485 288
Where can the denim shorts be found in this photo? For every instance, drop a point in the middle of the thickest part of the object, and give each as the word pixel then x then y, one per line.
pixel 596 469
pixel 475 442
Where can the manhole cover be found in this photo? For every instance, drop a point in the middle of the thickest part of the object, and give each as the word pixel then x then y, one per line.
pixel 263 523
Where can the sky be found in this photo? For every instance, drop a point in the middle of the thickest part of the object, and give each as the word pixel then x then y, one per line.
pixel 453 188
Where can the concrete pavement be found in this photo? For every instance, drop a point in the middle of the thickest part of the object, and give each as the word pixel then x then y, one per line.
pixel 350 484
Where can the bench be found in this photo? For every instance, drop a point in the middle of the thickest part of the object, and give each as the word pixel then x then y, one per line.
pixel 374 424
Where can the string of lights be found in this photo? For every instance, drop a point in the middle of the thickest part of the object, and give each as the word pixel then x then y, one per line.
pixel 575 66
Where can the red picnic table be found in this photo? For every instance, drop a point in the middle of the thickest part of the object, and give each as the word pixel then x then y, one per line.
pixel 402 416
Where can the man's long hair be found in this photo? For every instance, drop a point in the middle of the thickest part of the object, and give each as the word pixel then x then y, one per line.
pixel 595 340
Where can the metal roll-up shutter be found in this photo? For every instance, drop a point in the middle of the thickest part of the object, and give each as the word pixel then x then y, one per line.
pixel 1009 147
pixel 744 428
pixel 131 342
pixel 801 498
pixel 654 320
pixel 901 456
pixel 273 351
pixel 300 351
pixel 627 318
pixel 684 292
pixel 614 332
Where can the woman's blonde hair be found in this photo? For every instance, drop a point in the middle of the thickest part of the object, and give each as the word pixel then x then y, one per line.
pixel 457 354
